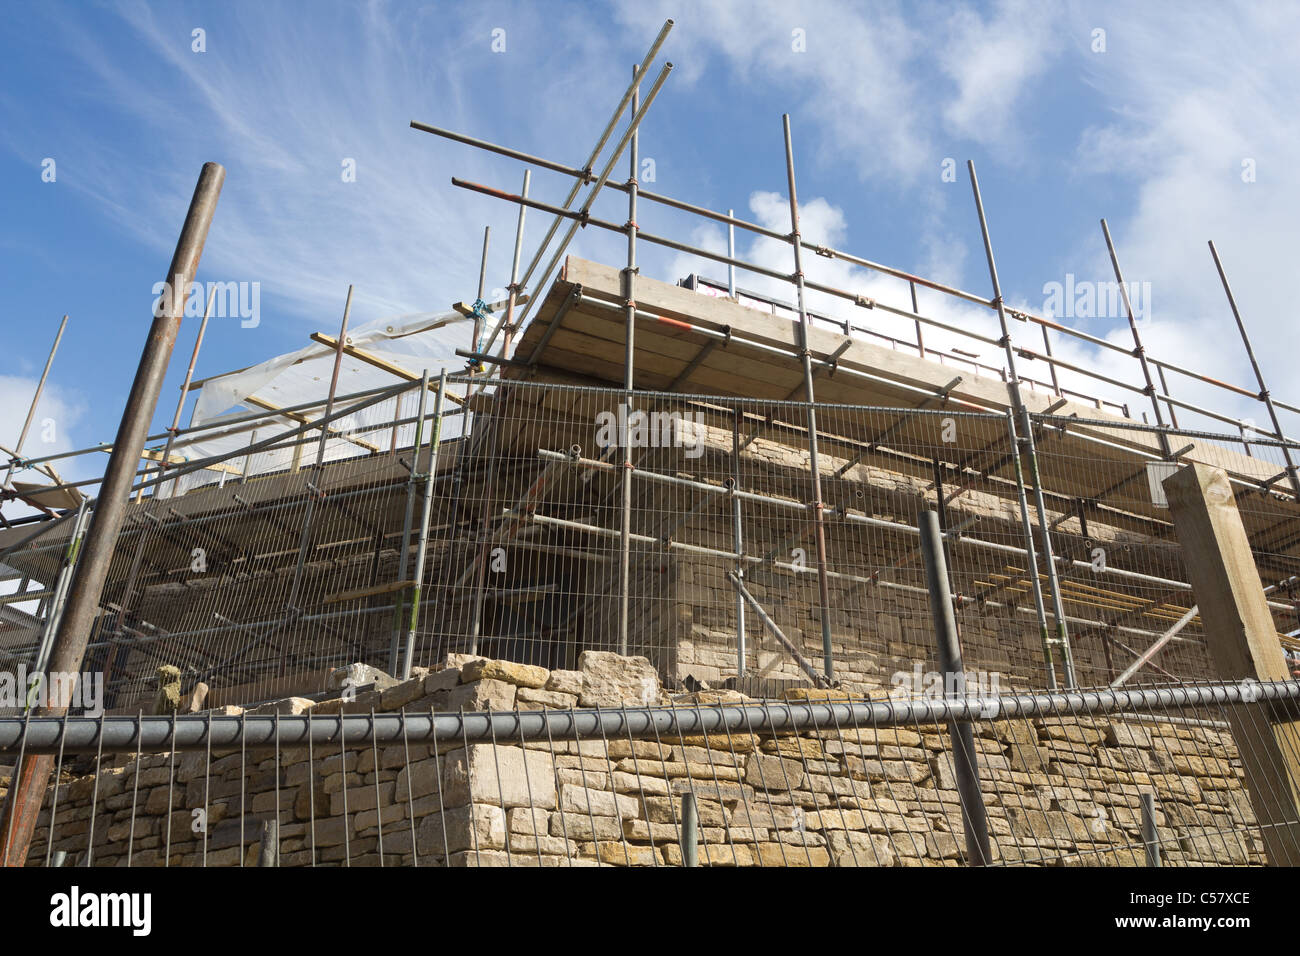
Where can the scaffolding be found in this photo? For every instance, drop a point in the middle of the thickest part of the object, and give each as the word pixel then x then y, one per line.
pixel 735 486
pixel 320 512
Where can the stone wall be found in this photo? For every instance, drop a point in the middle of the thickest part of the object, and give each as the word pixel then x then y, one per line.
pixel 1058 790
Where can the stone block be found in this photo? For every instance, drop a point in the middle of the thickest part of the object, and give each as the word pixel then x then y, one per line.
pixel 609 680
pixel 508 776
pixel 520 675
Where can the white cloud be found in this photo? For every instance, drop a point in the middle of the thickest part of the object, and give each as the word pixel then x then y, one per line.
pixel 53 424
pixel 1196 90
pixel 992 60
pixel 53 431
pixel 1191 91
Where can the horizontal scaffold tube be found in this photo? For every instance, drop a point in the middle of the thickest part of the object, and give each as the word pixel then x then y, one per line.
pixel 830 511
pixel 201 731
pixel 828 252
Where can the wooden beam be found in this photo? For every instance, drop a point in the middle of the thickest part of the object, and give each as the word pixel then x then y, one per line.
pixel 153 454
pixel 467 308
pixel 370 358
pixel 357 594
pixel 304 420
pixel 1243 643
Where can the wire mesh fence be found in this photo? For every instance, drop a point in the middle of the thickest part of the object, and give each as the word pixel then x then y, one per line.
pixel 1062 780
pixel 1122 577
pixel 727 564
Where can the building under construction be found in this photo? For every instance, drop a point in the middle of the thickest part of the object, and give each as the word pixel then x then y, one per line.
pixel 726 484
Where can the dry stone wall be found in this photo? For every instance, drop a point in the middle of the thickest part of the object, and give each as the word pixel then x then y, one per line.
pixel 1057 790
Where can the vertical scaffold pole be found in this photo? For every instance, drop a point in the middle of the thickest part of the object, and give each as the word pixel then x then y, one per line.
pixel 423 542
pixel 814 462
pixel 36 398
pixel 1138 349
pixel 477 343
pixel 66 571
pixel 489 435
pixel 1031 555
pixel 1062 638
pixel 314 494
pixel 1150 839
pixel 690 830
pixel 512 291
pixel 738 539
pixel 185 391
pixel 731 254
pixel 1265 396
pixel 1047 350
pixel 629 298
pixel 403 561
pixel 916 310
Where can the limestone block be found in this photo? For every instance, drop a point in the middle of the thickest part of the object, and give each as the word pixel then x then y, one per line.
pixel 532 698
pixel 583 800
pixel 503 776
pixel 521 675
pixel 565 682
pixel 479 827
pixel 852 848
pixel 399 695
pixel 773 773
pixel 487 694
pixel 609 680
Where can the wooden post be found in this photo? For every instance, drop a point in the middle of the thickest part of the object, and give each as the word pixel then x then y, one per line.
pixel 1243 643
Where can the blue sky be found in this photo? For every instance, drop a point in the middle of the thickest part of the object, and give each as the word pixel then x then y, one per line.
pixel 1151 132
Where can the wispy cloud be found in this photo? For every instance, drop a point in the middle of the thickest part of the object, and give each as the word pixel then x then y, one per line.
pixel 285 100
pixel 992 60
pixel 885 91
pixel 1202 100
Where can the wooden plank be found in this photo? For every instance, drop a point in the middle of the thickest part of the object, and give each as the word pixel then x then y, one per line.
pixel 391 368
pixel 304 420
pixel 683 304
pixel 1244 646
pixel 153 454
pixel 357 594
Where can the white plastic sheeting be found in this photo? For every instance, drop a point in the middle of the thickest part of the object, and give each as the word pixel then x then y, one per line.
pixel 416 342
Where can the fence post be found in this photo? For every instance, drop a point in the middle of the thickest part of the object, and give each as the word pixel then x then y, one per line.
pixel 1150 840
pixel 268 853
pixel 966 768
pixel 1244 646
pixel 690 830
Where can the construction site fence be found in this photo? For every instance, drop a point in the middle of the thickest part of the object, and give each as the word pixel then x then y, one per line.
pixel 1136 777
pixel 293 555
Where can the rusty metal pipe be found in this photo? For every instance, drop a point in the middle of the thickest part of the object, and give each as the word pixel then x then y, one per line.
pixel 32 776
